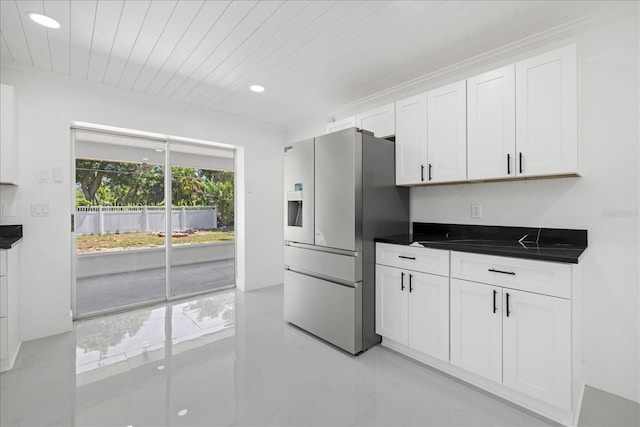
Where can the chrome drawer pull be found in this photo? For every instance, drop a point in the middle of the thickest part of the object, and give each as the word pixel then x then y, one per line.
pixel 407 257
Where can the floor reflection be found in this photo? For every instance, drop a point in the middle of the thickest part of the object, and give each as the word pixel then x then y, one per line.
pixel 228 359
pixel 111 345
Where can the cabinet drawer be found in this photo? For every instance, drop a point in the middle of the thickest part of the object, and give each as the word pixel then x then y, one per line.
pixel 3 263
pixel 326 264
pixel 3 296
pixel 325 309
pixel 541 277
pixel 433 261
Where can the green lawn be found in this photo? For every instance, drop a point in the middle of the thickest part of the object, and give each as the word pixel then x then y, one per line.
pixel 95 243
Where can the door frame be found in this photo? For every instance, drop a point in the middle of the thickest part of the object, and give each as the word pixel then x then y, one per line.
pixel 239 226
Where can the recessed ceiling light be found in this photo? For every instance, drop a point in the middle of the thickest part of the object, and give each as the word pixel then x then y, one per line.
pixel 159 150
pixel 256 88
pixel 44 20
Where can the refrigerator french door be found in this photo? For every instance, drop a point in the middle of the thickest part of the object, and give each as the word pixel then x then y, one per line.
pixel 329 280
pixel 338 195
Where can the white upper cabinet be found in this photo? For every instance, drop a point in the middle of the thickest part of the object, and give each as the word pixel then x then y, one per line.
pixel 411 140
pixel 447 134
pixel 347 123
pixel 8 136
pixel 546 114
pixel 491 124
pixel 381 121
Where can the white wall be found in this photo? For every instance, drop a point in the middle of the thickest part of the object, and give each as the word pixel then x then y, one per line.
pixel 47 104
pixel 605 200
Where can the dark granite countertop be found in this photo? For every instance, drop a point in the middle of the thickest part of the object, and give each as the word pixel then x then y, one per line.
pixel 10 235
pixel 546 244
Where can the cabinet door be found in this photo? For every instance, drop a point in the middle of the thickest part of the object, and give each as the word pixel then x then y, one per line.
pixel 537 346
pixel 347 123
pixel 381 121
pixel 429 314
pixel 476 328
pixel 546 114
pixel 392 293
pixel 8 136
pixel 491 124
pixel 411 140
pixel 447 133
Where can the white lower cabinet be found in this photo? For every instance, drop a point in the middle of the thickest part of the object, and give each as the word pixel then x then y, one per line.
pixel 9 303
pixel 392 304
pixel 536 346
pixel 413 309
pixel 429 314
pixel 520 339
pixel 503 333
pixel 476 328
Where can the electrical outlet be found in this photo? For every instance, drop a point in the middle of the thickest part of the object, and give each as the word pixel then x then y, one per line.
pixel 476 211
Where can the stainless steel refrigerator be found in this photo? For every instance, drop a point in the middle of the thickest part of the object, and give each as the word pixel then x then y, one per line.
pixel 339 194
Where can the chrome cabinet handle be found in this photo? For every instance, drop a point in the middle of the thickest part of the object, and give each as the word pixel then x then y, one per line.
pixel 402 281
pixel 407 257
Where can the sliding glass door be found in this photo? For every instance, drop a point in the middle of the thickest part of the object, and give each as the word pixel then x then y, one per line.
pixel 202 197
pixel 145 232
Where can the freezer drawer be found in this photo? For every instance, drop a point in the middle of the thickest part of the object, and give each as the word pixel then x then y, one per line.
pixel 328 310
pixel 330 265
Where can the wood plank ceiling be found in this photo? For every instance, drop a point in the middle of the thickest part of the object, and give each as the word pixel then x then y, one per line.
pixel 312 56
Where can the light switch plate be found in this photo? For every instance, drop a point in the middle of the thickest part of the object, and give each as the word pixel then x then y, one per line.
pixel 476 211
pixel 43 176
pixel 40 209
pixel 57 174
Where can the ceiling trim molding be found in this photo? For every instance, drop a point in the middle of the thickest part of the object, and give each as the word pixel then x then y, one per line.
pixel 414 86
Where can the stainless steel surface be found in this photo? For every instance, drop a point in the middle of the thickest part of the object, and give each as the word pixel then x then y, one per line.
pixel 298 202
pixel 323 249
pixel 327 310
pixel 343 267
pixel 330 283
pixel 326 277
pixel 337 165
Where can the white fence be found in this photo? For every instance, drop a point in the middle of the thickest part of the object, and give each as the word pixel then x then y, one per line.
pixel 122 219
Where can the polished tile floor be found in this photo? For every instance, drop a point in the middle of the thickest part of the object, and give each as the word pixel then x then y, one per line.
pixel 228 359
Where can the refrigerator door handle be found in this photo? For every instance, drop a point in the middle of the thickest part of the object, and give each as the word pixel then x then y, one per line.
pixel 323 249
pixel 333 280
